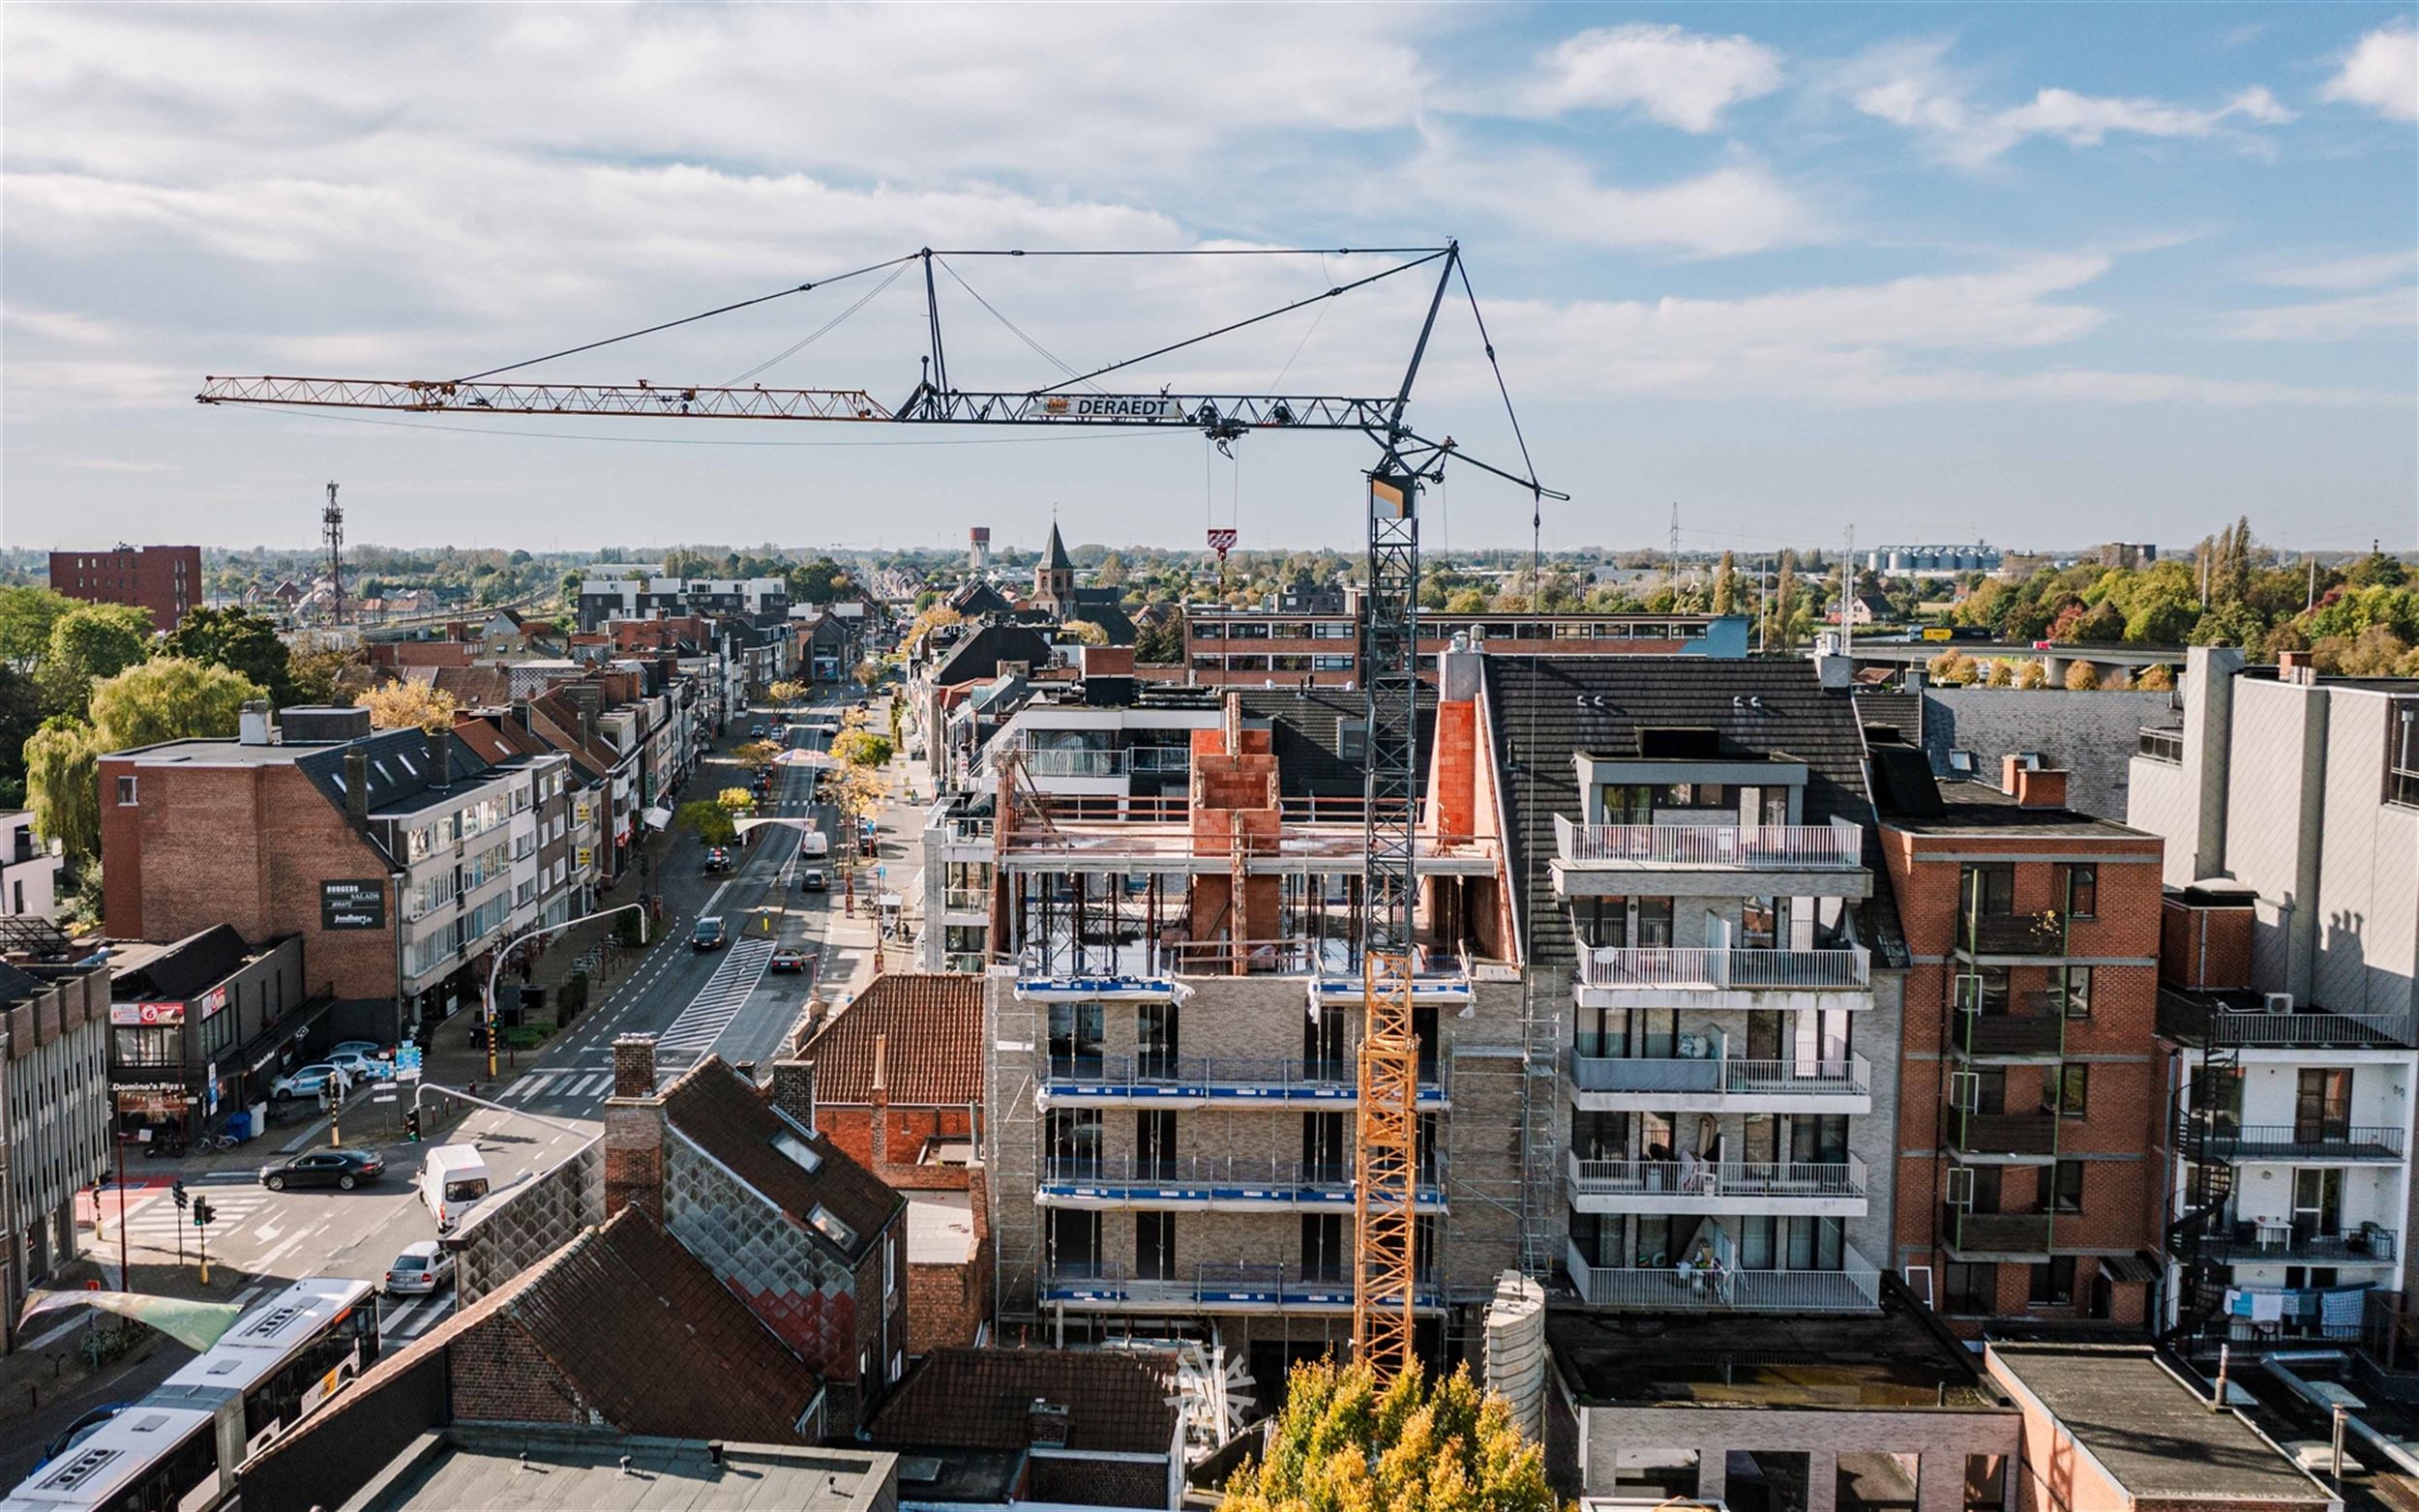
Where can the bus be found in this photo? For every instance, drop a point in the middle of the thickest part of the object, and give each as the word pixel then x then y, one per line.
pixel 178 1450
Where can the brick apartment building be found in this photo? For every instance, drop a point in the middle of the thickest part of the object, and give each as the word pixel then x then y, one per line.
pixel 2031 1080
pixel 1255 647
pixel 163 579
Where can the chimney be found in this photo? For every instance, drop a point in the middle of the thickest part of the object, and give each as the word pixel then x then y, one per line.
pixel 2040 788
pixel 794 1090
pixel 587 725
pixel 1833 667
pixel 439 744
pixel 634 1130
pixel 1045 1424
pixel 357 787
pixel 2290 661
pixel 881 1101
pixel 1458 667
pixel 252 728
pixel 521 712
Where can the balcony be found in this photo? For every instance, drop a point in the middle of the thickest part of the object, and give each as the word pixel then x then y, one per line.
pixel 1842 1083
pixel 2243 1022
pixel 2160 745
pixel 2017 1138
pixel 1757 1187
pixel 1660 847
pixel 1178 1081
pixel 1657 972
pixel 1211 1289
pixel 2039 1034
pixel 1854 1288
pixel 1971 1234
pixel 966 900
pixel 1987 935
pixel 1226 1184
pixel 2293 1244
pixel 2308 1143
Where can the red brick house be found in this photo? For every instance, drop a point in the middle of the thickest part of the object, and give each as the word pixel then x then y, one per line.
pixel 811 1241
pixel 2029 1086
pixel 1085 1426
pixel 900 1067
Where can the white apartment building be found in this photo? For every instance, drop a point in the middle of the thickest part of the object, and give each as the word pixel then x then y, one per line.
pixel 29 872
pixel 2291 808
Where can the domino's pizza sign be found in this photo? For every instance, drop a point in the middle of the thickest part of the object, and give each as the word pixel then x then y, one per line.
pixel 353 905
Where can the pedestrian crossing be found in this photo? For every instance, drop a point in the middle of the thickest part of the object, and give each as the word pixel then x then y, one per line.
pixel 718 1001
pixel 156 1218
pixel 576 1084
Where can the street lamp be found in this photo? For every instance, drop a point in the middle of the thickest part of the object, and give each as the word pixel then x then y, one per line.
pixel 505 950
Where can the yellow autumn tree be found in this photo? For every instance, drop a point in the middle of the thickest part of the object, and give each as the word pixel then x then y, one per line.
pixel 1343 1445
pixel 405 705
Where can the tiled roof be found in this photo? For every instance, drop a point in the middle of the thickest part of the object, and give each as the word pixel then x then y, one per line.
pixel 933 1023
pixel 982 1399
pixel 400 766
pixel 722 1113
pixel 1545 710
pixel 978 656
pixel 653 1341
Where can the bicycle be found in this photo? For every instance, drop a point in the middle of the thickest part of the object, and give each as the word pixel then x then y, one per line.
pixel 217 1142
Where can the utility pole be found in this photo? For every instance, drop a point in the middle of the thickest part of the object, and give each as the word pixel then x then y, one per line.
pixel 2309 600
pixel 1671 557
pixel 1847 595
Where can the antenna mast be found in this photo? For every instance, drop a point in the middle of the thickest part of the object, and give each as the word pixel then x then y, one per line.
pixel 332 531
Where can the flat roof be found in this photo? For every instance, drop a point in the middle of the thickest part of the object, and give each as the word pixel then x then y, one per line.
pixel 544 1467
pixel 2150 1431
pixel 1891 1360
pixel 940 1228
pixel 1977 808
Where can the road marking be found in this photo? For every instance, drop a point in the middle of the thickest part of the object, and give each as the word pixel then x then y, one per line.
pixel 274 1255
pixel 391 1322
pixel 720 1001
pixel 591 1085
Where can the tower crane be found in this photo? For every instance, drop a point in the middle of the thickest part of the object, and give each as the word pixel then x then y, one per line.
pixel 1386 1163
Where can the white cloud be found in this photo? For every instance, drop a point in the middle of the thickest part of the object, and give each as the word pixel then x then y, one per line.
pixel 1678 78
pixel 2341 274
pixel 2381 72
pixel 2329 319
pixel 1912 85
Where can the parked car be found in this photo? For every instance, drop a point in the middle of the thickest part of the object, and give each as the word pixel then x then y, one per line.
pixel 368 1050
pixel 358 1067
pixel 710 934
pixel 421 1267
pixel 786 960
pixel 755 732
pixel 814 879
pixel 718 858
pixel 346 1168
pixel 308 1080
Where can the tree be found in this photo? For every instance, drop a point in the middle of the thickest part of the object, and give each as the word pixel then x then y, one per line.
pixel 314 674
pixel 735 800
pixel 169 699
pixel 2081 677
pixel 241 641
pixel 2031 676
pixel 759 753
pixel 2157 677
pixel 861 748
pixel 1466 601
pixel 1786 602
pixel 819 582
pixel 1343 1445
pixel 1726 585
pixel 63 786
pixel 786 691
pixel 1953 670
pixel 1111 573
pixel 26 617
pixel 867 672
pixel 1084 632
pixel 1159 644
pixel 404 705
pixel 709 820
pixel 88 642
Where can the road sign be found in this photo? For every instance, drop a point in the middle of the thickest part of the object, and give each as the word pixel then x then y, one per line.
pixel 384 1094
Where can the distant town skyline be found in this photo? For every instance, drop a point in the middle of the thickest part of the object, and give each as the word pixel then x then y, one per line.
pixel 1932 273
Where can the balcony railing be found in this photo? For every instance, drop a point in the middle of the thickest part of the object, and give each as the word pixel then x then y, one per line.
pixel 1728 971
pixel 1772 847
pixel 1718 1179
pixel 1166 1081
pixel 1205 1180
pixel 1997 1234
pixel 2287 1243
pixel 2250 1026
pixel 2002 1134
pixel 1212 1288
pixel 1854 1288
pixel 1080 761
pixel 1848 1076
pixel 2035 1033
pixel 2306 1141
pixel 966 900
pixel 2160 745
pixel 2011 935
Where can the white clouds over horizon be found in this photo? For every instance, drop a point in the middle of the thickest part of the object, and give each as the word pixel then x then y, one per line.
pixel 1682 78
pixel 2380 72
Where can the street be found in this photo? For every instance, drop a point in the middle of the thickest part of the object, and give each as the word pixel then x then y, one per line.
pixel 698 1003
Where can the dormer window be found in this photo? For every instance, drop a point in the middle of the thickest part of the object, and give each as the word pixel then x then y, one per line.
pixel 829 1225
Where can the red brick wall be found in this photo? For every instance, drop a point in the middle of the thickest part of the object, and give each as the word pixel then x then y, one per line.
pixel 244 846
pixel 2205 948
pixel 146 578
pixel 498 1375
pixel 850 1126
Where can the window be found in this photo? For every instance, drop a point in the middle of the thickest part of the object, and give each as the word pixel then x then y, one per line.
pixel 2072 985
pixel 2069 1095
pixel 1155 1144
pixel 163 1046
pixel 1324 1152
pixel 1154 1246
pixel 126 793
pixel 1322 1247
pixel 2083 892
pixel 828 1223
pixel 1990 890
pixel 2066 1187
pixel 2322 1106
pixel 2053 1283
pixel 1352 739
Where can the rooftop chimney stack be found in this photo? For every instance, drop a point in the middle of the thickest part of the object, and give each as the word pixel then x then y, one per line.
pixel 794 1090
pixel 357 787
pixel 2040 788
pixel 252 727
pixel 1045 1423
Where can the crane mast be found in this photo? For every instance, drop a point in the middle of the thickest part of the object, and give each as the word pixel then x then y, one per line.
pixel 1386 1163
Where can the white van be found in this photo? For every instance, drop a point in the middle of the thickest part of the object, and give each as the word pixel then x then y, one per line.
pixel 814 845
pixel 451 1179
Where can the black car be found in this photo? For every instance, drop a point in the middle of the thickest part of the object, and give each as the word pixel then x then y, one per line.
pixel 710 933
pixel 323 1167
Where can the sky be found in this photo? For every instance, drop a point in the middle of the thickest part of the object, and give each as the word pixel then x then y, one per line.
pixel 2039 275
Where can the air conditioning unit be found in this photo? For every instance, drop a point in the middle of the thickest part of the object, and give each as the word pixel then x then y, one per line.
pixel 2280 1002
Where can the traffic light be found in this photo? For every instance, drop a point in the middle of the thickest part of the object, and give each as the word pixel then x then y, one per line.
pixel 177 1193
pixel 412 1126
pixel 203 1213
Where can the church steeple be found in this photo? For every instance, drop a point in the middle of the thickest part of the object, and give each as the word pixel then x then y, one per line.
pixel 1054 580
